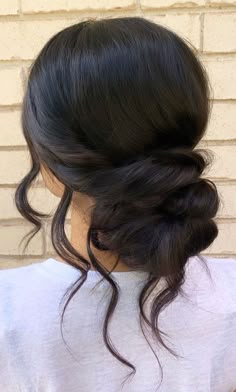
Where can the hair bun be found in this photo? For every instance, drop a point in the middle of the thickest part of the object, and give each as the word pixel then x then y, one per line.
pixel 155 202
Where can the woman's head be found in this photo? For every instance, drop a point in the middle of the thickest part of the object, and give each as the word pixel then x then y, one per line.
pixel 116 87
pixel 114 109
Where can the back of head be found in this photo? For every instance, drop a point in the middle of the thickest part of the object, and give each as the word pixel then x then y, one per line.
pixel 114 108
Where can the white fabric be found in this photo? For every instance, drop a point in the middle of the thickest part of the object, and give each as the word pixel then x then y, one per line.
pixel 33 357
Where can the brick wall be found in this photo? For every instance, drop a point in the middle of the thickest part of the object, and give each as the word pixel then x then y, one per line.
pixel 25 25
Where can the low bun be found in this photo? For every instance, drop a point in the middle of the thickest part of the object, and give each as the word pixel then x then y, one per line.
pixel 156 200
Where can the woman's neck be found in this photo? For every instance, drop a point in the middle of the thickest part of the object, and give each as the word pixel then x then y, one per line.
pixel 79 227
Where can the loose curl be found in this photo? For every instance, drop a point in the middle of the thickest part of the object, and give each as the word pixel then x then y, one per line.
pixel 115 108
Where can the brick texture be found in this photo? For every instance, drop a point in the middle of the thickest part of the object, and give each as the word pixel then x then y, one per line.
pixel 221 39
pixel 186 25
pixel 11 237
pixel 26 25
pixel 9 7
pixel 222 124
pixel 10 129
pixel 30 6
pixel 11 86
pixel 222 75
pixel 40 199
pixel 14 262
pixel 224 163
pixel 227 194
pixel 19 34
pixel 14 165
pixel 225 239
pixel 220 2
pixel 170 3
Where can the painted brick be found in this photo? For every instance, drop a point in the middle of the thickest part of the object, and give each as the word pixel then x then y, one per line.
pixel 170 3
pixel 224 163
pixel 222 2
pixel 221 39
pixel 18 35
pixel 227 194
pixel 30 6
pixel 13 166
pixel 222 76
pixel 222 124
pixel 40 199
pixel 9 7
pixel 186 25
pixel 43 6
pixel 11 237
pixel 13 262
pixel 6 199
pixel 11 91
pixel 10 129
pixel 226 240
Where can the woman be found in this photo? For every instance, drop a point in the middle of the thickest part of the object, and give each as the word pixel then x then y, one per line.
pixel 112 115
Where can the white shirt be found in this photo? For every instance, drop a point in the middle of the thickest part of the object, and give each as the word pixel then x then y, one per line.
pixel 34 358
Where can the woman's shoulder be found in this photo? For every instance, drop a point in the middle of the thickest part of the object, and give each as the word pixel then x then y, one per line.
pixel 16 280
pixel 212 283
pixel 9 274
pixel 209 282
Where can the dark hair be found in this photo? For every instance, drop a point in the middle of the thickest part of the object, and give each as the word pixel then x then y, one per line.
pixel 114 108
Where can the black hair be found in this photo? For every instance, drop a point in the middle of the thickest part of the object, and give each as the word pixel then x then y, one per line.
pixel 115 109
